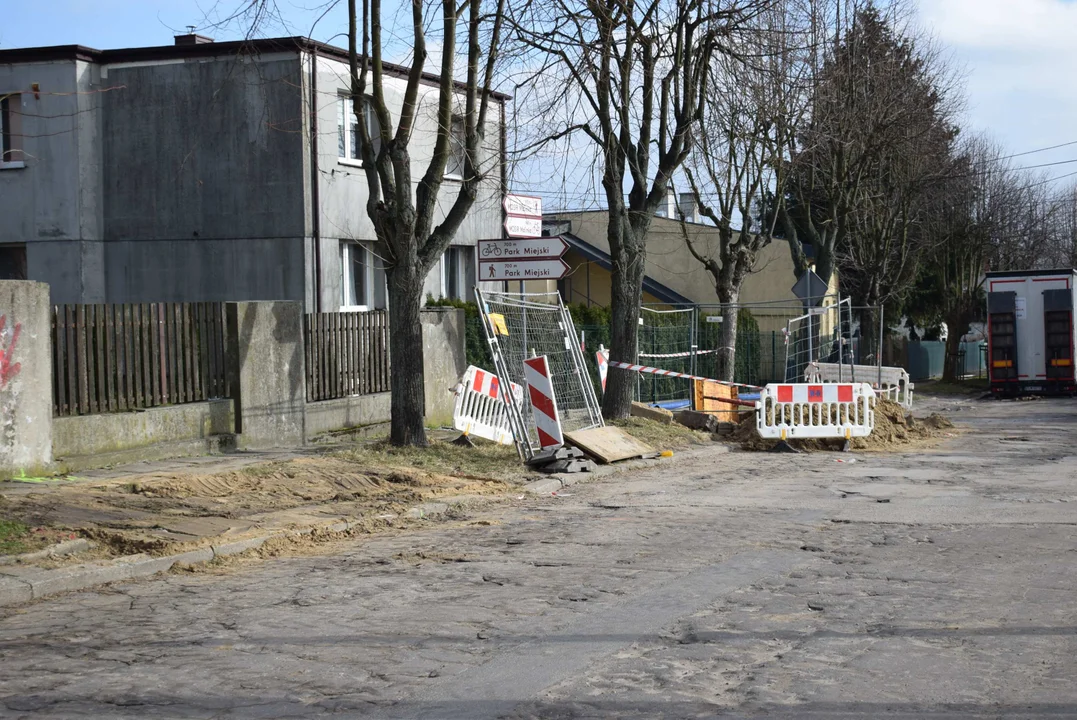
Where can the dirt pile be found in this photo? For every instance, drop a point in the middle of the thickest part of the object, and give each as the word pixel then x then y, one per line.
pixel 158 512
pixel 894 427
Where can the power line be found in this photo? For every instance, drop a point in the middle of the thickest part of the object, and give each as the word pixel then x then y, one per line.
pixel 1039 150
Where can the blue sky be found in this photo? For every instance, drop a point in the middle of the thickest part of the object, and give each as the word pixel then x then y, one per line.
pixel 1018 56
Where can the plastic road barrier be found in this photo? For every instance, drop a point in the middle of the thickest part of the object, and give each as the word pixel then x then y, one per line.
pixel 543 403
pixel 603 356
pixel 890 382
pixel 834 410
pixel 479 410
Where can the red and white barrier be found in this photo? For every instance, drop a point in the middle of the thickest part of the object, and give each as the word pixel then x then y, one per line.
pixel 479 409
pixel 543 403
pixel 603 356
pixel 802 410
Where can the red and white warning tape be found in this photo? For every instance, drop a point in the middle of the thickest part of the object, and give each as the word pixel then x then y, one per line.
pixel 670 373
pixel 677 354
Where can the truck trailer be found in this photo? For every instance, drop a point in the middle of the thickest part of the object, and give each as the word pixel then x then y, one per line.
pixel 1030 331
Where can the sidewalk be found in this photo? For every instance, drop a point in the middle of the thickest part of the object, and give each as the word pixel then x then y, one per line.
pixel 142 518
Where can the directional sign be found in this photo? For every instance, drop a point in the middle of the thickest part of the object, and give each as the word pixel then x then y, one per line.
pixel 810 288
pixel 526 270
pixel 523 249
pixel 518 226
pixel 523 205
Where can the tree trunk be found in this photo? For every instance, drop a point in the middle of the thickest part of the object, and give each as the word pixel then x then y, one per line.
pixel 956 325
pixel 629 266
pixel 405 287
pixel 727 342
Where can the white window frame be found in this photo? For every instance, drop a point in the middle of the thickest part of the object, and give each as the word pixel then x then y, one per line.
pixel 463 253
pixel 457 149
pixel 12 152
pixel 344 109
pixel 347 267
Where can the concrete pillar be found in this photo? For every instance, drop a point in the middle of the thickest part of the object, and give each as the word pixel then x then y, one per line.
pixel 25 378
pixel 264 347
pixel 444 361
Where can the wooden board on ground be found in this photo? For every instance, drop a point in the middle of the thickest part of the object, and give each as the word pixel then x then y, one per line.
pixel 608 444
pixel 708 397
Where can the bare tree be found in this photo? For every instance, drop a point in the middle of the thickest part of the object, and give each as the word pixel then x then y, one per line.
pixel 411 227
pixel 731 171
pixel 639 69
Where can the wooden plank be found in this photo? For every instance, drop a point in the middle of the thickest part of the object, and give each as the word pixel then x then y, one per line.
pixel 110 359
pixel 130 354
pixel 92 358
pixel 386 362
pixel 608 444
pixel 121 385
pixel 171 375
pixel 353 354
pixel 307 357
pixel 338 357
pixel 80 349
pixel 100 356
pixel 72 359
pixel 200 311
pixel 138 337
pixel 160 374
pixel 189 373
pixel 146 329
pixel 59 398
pixel 213 385
pixel 316 359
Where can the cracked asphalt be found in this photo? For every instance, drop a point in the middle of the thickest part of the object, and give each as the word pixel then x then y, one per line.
pixel 936 583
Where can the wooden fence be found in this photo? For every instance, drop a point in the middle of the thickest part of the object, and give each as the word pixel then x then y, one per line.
pixel 347 354
pixel 110 358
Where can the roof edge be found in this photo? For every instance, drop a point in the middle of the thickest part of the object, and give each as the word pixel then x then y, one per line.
pixel 256 46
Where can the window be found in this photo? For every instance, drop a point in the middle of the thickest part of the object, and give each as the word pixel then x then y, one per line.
pixel 454 166
pixel 362 278
pixel 348 140
pixel 11 154
pixel 13 262
pixel 457 273
pixel 355 281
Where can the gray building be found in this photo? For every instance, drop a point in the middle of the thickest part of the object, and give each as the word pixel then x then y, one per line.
pixel 205 171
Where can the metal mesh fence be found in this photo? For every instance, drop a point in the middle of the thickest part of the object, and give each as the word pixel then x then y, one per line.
pixel 667 340
pixel 824 334
pixel 526 325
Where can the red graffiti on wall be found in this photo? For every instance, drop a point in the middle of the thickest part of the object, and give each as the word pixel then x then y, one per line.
pixel 7 370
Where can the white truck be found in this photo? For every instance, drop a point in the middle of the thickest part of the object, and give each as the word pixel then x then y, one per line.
pixel 1030 331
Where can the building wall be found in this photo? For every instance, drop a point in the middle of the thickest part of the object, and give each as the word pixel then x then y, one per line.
pixel 670 263
pixel 343 186
pixel 203 183
pixel 51 203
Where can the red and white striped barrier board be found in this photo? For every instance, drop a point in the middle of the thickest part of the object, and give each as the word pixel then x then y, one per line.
pixel 479 409
pixel 803 410
pixel 603 356
pixel 670 373
pixel 543 403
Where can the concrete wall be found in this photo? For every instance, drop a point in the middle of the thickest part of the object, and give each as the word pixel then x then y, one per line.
pixel 350 412
pixel 265 358
pixel 51 204
pixel 204 188
pixel 176 425
pixel 25 378
pixel 443 361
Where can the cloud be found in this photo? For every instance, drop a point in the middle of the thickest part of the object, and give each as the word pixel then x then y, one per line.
pixel 1019 58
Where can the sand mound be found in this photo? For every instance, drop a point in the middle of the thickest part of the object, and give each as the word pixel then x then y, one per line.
pixel 894 427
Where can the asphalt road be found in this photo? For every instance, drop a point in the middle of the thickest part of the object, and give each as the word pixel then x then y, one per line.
pixel 934 584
